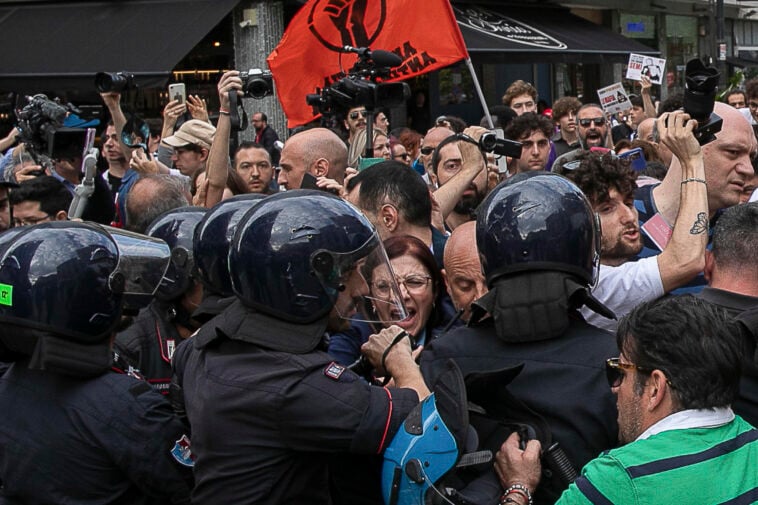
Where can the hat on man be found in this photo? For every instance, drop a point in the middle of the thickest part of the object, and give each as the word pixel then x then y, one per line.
pixel 193 131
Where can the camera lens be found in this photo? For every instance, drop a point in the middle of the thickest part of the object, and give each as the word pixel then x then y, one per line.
pixel 106 82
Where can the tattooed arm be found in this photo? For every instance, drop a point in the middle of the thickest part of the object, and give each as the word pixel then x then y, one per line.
pixel 684 255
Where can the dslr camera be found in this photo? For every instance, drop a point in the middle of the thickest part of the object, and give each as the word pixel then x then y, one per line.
pixel 257 83
pixel 114 82
pixel 699 97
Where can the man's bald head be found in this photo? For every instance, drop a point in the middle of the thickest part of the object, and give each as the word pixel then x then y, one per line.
pixel 318 151
pixel 463 270
pixel 431 140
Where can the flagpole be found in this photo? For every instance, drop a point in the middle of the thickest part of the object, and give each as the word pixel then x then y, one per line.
pixel 479 93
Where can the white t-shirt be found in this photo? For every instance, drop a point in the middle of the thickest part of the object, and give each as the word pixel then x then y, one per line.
pixel 624 287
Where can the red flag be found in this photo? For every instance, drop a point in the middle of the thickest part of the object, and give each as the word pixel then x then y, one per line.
pixel 424 34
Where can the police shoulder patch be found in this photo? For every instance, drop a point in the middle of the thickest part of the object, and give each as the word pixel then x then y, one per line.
pixel 334 370
pixel 182 452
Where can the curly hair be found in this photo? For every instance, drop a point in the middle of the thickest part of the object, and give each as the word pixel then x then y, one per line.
pixel 526 123
pixel 597 174
pixel 564 105
pixel 518 88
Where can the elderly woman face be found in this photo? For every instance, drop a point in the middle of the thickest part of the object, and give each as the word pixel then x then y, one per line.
pixel 382 147
pixel 415 283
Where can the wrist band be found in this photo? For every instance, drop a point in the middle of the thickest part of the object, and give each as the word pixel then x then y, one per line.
pixel 694 179
pixel 223 111
pixel 519 489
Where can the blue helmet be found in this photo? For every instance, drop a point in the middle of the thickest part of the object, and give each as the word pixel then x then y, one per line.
pixel 177 228
pixel 70 279
pixel 213 237
pixel 291 252
pixel 538 221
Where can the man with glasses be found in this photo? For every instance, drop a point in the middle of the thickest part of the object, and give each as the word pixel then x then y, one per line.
pixel 592 129
pixel 355 119
pixel 429 143
pixel 675 381
pixel 40 200
pixel 521 96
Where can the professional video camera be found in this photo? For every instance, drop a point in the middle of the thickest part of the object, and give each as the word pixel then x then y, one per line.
pixel 107 82
pixel 699 97
pixel 257 83
pixel 360 86
pixel 40 124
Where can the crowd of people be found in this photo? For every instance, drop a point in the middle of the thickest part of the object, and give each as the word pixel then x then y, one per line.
pixel 262 325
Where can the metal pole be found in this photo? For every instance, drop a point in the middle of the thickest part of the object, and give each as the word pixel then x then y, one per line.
pixel 480 94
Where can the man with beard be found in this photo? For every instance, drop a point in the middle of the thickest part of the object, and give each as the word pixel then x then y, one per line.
pixel 609 183
pixel 459 171
pixel 592 128
pixel 728 162
pixel 675 381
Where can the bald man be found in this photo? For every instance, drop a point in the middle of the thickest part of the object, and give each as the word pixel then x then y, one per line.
pixel 318 151
pixel 428 144
pixel 463 270
pixel 728 168
pixel 646 131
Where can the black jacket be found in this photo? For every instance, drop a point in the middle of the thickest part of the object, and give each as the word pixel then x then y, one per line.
pixel 264 420
pixel 563 381
pixel 102 440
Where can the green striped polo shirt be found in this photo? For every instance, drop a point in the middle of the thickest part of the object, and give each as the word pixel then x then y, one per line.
pixel 686 466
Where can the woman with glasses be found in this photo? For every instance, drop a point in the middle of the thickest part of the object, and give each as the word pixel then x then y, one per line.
pixel 420 282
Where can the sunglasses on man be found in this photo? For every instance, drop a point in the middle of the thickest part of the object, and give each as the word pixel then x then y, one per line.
pixel 615 371
pixel 599 121
pixel 355 114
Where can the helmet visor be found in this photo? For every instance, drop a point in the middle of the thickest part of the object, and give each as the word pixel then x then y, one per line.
pixel 142 262
pixel 348 276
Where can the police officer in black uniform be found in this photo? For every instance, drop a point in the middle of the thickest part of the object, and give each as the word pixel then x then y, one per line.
pixel 265 403
pixel 539 244
pixel 148 345
pixel 213 236
pixel 73 431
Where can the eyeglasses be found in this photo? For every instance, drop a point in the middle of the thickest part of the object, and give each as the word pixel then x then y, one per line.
pixel 426 151
pixel 415 284
pixel 354 115
pixel 599 121
pixel 30 221
pixel 403 156
pixel 614 371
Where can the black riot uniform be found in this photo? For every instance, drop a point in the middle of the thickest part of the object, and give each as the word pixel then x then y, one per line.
pixel 539 245
pixel 265 405
pixel 147 346
pixel 73 431
pixel 264 418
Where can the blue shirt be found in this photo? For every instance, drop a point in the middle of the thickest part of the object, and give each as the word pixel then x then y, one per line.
pixel 643 202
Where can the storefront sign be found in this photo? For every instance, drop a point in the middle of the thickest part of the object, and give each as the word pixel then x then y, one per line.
pixel 500 26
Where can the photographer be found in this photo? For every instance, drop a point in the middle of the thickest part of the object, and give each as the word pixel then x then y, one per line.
pixel 728 168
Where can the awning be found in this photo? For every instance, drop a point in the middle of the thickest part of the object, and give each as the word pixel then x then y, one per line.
pixel 546 35
pixel 62 45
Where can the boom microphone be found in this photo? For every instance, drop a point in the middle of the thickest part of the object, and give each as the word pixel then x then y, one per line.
pixel 380 57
